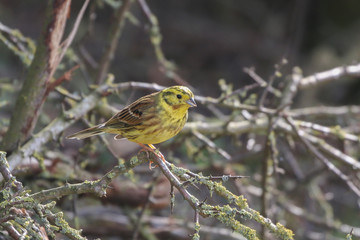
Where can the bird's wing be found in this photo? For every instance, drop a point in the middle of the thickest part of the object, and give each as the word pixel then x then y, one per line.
pixel 133 114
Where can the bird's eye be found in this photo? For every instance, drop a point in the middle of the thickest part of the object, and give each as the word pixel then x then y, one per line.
pixel 179 96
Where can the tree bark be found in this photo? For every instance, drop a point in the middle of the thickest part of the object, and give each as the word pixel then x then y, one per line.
pixel 32 94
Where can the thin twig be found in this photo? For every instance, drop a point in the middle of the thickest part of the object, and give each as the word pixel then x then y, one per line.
pixel 292 87
pixel 212 145
pixel 65 77
pixel 172 199
pixel 226 178
pixel 326 131
pixel 196 235
pixel 325 111
pixel 321 157
pixel 251 72
pixel 330 75
pixel 67 42
pixel 322 145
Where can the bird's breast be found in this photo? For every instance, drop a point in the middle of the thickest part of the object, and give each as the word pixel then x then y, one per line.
pixel 166 129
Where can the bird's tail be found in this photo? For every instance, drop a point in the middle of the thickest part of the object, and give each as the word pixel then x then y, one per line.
pixel 89 132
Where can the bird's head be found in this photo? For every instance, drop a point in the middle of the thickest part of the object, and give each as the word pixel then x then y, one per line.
pixel 178 98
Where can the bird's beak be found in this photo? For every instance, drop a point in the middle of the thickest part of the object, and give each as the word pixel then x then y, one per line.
pixel 191 102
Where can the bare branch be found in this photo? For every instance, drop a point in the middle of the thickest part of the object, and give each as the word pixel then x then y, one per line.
pixel 330 75
pixel 327 163
pixel 98 186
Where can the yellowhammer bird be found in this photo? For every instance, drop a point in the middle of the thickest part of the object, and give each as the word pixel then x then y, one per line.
pixel 149 120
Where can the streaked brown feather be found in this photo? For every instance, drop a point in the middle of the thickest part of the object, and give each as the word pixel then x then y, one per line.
pixel 133 114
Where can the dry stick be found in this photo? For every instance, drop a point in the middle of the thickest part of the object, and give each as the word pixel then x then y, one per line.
pixel 212 145
pixel 330 75
pixel 112 42
pixel 266 90
pixel 66 43
pixel 65 77
pixel 326 111
pixel 225 178
pixel 239 91
pixel 251 72
pixel 291 159
pixel 322 158
pixel 326 131
pixel 292 87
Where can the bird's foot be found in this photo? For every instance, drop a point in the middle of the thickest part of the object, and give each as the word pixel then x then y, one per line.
pixel 152 149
